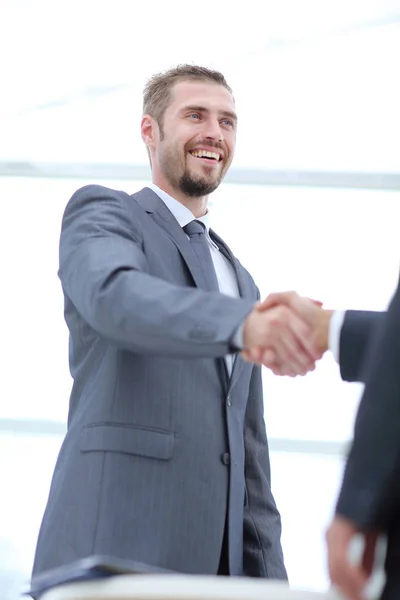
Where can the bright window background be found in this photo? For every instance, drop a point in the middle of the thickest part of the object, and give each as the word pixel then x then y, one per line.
pixel 336 245
pixel 340 246
pixel 316 90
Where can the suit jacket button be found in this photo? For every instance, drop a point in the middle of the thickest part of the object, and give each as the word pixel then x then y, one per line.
pixel 226 458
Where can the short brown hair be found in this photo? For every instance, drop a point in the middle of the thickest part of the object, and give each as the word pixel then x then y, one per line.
pixel 157 92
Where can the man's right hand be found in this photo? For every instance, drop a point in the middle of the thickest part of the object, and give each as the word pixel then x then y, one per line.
pixel 279 338
pixel 294 334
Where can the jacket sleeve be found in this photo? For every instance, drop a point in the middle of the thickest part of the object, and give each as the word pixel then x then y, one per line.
pixel 357 331
pixel 104 273
pixel 262 551
pixel 370 492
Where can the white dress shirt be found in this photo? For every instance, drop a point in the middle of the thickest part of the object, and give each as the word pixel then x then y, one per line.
pixel 224 271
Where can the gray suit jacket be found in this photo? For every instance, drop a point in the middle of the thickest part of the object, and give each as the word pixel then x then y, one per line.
pixel 162 447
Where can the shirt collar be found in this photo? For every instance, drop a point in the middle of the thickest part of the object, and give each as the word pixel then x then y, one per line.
pixel 182 214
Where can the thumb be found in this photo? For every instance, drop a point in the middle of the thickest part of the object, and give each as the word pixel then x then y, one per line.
pixel 275 299
pixel 288 298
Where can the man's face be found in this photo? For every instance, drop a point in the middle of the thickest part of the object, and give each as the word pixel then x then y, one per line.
pixel 196 143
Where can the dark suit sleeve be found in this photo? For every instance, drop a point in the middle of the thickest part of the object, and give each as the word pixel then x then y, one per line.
pixel 262 549
pixel 370 489
pixel 104 272
pixel 357 330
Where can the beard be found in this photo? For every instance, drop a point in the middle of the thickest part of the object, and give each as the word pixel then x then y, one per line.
pixel 197 186
pixel 191 184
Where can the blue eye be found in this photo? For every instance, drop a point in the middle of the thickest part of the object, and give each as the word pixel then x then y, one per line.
pixel 228 122
pixel 194 115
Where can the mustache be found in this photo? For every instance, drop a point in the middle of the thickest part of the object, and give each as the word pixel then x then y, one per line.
pixel 208 143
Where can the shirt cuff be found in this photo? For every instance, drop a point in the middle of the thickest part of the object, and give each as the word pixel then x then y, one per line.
pixel 335 330
pixel 237 339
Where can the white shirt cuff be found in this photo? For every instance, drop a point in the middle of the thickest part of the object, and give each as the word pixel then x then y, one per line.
pixel 237 339
pixel 335 330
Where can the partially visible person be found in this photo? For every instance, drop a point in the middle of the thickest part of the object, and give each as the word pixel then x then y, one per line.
pixel 369 499
pixel 367 346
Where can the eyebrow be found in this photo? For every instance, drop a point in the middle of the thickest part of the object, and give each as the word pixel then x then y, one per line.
pixel 202 109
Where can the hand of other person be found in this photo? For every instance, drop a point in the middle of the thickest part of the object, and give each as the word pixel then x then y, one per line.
pixel 349 577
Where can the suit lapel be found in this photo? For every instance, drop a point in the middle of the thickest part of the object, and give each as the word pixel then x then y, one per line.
pixel 153 205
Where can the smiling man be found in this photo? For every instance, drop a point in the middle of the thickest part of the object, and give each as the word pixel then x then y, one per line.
pixel 166 458
pixel 191 140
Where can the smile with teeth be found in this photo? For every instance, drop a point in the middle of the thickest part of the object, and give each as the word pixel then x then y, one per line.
pixel 206 154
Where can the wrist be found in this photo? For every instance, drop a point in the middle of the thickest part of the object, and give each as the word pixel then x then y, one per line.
pixel 322 329
pixel 238 337
pixel 249 326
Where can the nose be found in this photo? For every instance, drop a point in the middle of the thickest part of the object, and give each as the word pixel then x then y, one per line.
pixel 212 130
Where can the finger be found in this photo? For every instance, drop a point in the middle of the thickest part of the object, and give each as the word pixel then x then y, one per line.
pixel 290 357
pixel 316 302
pixel 293 360
pixel 253 354
pixel 291 299
pixel 275 299
pixel 278 367
pixel 291 340
pixel 368 557
pixel 303 334
pixel 305 308
pixel 350 579
pixel 294 343
pixel 269 359
pixel 348 576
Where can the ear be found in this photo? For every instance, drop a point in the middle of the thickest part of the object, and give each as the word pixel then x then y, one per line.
pixel 149 130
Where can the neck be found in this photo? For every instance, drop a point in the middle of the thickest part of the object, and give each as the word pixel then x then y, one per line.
pixel 197 206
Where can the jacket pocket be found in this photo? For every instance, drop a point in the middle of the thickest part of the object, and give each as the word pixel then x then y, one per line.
pixel 128 439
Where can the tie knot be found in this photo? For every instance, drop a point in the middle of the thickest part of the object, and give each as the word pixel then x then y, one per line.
pixel 194 228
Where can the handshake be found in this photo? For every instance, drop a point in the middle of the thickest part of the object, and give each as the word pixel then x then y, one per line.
pixel 286 333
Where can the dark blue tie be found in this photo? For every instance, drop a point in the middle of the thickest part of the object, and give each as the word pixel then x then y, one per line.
pixel 196 232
